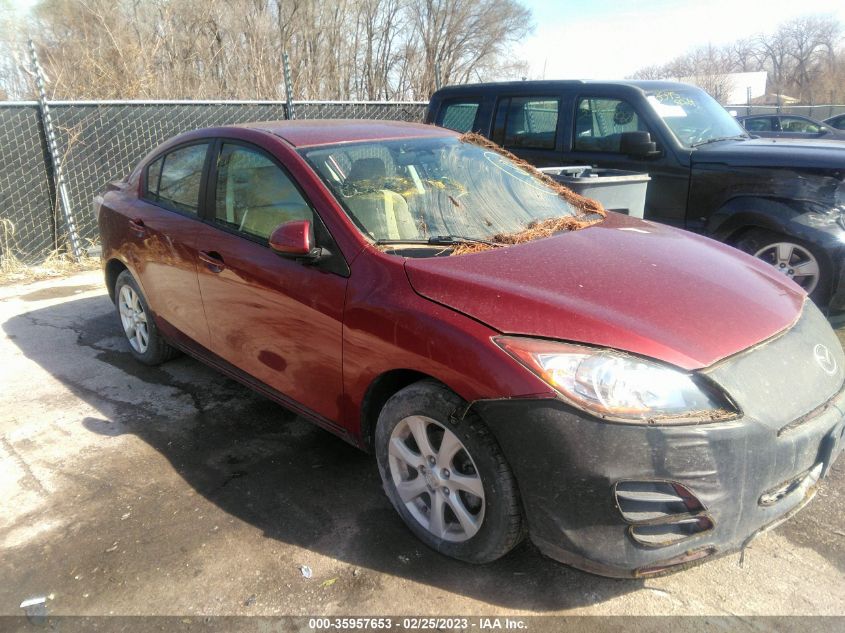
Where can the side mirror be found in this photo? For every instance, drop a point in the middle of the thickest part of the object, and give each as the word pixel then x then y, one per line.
pixel 293 239
pixel 637 144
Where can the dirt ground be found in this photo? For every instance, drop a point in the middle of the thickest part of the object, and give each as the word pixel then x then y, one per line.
pixel 132 490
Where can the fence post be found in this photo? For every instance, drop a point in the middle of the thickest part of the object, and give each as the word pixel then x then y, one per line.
pixel 288 87
pixel 62 196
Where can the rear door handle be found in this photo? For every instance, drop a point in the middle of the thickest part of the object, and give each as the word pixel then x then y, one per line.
pixel 213 261
pixel 137 226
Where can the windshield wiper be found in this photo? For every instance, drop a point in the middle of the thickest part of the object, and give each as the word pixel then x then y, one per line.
pixel 736 137
pixel 440 240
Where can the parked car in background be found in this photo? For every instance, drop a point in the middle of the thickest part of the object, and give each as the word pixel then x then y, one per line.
pixel 836 121
pixel 597 388
pixel 789 126
pixel 780 200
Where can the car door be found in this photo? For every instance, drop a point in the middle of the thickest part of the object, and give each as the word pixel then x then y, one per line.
pixel 598 124
pixel 276 319
pixel 164 223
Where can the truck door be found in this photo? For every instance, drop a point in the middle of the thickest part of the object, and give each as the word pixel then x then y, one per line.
pixel 597 124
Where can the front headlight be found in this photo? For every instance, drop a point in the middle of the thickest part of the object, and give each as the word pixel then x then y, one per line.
pixel 617 386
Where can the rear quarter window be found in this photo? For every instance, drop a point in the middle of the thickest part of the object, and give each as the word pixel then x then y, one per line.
pixel 458 115
pixel 528 122
pixel 173 181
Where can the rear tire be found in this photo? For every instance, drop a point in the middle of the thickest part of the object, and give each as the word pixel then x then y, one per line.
pixel 791 255
pixel 145 341
pixel 458 495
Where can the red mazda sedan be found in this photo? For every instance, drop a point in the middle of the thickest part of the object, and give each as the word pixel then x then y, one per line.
pixel 633 397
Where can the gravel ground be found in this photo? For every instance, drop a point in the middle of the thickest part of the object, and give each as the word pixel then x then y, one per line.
pixel 131 490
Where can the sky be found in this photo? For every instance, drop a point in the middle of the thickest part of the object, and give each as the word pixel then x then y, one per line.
pixel 602 39
pixel 607 39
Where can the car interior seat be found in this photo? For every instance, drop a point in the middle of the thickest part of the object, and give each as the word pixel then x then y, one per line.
pixel 268 200
pixel 382 212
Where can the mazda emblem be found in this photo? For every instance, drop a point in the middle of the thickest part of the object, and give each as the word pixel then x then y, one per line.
pixel 825 359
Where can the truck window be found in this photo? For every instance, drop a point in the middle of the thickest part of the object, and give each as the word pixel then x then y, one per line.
pixel 600 122
pixel 530 122
pixel 458 115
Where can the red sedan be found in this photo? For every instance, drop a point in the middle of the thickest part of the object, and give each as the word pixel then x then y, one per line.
pixel 633 397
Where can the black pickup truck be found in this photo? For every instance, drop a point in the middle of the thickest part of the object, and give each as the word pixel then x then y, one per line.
pixel 782 200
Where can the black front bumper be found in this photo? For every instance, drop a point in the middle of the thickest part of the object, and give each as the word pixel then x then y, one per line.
pixel 567 463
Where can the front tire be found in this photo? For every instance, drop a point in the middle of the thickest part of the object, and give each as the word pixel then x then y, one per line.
pixel 447 477
pixel 145 341
pixel 796 259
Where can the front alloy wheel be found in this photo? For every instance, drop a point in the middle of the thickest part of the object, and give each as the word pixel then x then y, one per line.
pixel 794 261
pixel 439 486
pixel 803 262
pixel 446 475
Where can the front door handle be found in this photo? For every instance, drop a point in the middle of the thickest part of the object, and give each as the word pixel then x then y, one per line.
pixel 212 260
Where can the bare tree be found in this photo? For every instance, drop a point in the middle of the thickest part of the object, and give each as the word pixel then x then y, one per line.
pixel 804 58
pixel 464 38
pixel 339 49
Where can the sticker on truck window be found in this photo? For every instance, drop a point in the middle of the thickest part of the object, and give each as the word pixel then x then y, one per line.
pixel 666 109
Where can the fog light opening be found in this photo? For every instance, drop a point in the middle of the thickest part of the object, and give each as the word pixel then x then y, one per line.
pixel 803 482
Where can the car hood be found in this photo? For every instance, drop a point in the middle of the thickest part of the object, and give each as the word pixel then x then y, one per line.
pixel 627 284
pixel 774 152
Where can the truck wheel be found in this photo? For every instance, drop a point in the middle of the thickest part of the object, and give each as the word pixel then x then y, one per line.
pixel 794 258
pixel 447 477
pixel 145 341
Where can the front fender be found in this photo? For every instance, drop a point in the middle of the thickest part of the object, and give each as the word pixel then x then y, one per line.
pixel 798 218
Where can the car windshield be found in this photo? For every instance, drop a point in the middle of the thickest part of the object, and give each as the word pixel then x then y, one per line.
pixel 694 117
pixel 421 190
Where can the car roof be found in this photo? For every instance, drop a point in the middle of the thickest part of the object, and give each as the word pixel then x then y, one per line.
pixel 307 133
pixel 552 84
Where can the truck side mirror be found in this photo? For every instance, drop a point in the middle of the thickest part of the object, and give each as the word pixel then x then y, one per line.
pixel 637 144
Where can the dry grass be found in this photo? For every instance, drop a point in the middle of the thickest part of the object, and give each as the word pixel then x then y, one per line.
pixel 589 212
pixel 582 204
pixel 534 231
pixel 56 264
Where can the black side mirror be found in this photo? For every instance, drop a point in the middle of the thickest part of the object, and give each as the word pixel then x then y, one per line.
pixel 637 144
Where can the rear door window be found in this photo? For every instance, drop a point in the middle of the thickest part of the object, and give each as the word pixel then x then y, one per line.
pixel 173 181
pixel 529 122
pixel 600 123
pixel 458 115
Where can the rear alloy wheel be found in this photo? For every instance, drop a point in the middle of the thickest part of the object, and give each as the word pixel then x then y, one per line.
pixel 133 318
pixel 791 257
pixel 145 341
pixel 447 477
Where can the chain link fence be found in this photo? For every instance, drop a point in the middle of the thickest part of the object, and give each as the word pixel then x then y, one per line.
pixel 102 141
pixel 818 112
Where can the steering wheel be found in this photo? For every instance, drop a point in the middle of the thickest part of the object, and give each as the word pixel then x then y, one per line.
pixel 694 135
